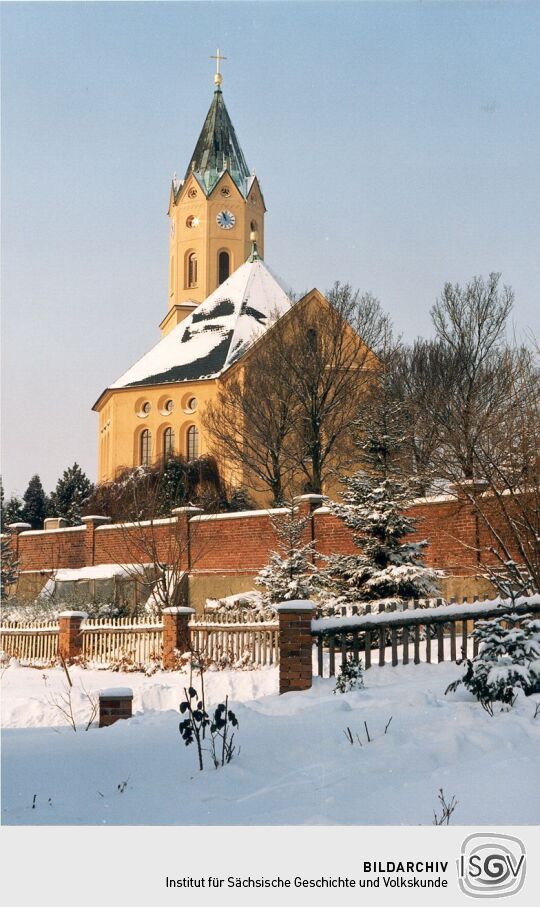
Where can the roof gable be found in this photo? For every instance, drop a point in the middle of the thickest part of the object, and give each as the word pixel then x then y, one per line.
pixel 216 334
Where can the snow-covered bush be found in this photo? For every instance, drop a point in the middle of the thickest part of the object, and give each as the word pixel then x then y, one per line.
pixel 242 606
pixel 350 677
pixel 508 659
pixel 289 574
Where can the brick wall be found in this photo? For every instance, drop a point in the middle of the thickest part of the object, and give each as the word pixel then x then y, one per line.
pixel 240 543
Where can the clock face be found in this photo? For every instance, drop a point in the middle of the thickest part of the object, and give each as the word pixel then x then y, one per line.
pixel 226 220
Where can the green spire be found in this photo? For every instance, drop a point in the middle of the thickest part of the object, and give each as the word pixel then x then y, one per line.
pixel 218 149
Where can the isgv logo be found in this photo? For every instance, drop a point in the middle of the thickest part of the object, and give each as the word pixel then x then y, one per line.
pixel 491 866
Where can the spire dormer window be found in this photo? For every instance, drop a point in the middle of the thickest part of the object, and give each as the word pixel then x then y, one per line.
pixel 224 266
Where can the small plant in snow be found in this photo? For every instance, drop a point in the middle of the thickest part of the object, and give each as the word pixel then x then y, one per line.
pixel 447 808
pixel 197 721
pixel 221 736
pixel 63 701
pixel 508 659
pixel 350 677
pixel 192 728
pixel 349 735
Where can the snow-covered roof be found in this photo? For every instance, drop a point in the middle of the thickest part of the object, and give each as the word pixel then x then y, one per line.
pixel 217 333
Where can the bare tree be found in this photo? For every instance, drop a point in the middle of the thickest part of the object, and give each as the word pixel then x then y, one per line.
pixel 419 382
pixel 507 463
pixel 252 421
pixel 156 547
pixel 285 418
pixel 470 323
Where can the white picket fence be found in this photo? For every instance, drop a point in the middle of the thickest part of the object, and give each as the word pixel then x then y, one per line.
pixel 237 643
pixel 32 642
pixel 126 642
pixel 122 640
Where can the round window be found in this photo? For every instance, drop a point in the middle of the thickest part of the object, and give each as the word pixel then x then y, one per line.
pixel 169 406
pixel 192 404
pixel 225 191
pixel 145 408
pixel 192 192
pixel 192 221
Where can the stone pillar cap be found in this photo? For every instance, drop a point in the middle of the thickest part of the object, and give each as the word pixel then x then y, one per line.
pixel 82 614
pixel 301 604
pixel 189 509
pixel 309 497
pixel 19 526
pixel 181 609
pixel 116 693
pixel 95 517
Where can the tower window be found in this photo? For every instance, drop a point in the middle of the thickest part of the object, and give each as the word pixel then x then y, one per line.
pixel 192 269
pixel 224 266
pixel 254 226
pixel 192 442
pixel 145 448
pixel 168 443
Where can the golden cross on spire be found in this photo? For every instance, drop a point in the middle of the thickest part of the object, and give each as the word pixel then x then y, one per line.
pixel 218 78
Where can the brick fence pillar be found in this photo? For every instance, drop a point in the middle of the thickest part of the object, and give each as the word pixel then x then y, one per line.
pixel 91 523
pixel 183 516
pixel 176 634
pixel 115 705
pixel 305 505
pixel 295 645
pixel 70 636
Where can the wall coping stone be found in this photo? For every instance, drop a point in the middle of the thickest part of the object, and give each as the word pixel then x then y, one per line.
pixel 239 514
pixel 299 605
pixel 189 509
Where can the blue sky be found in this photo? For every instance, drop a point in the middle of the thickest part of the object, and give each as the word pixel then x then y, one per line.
pixel 397 147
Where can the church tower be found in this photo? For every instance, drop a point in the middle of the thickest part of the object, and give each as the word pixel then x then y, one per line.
pixel 215 213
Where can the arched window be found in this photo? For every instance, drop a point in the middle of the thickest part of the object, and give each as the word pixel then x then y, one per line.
pixel 312 339
pixel 192 442
pixel 145 448
pixel 168 443
pixel 224 266
pixel 192 269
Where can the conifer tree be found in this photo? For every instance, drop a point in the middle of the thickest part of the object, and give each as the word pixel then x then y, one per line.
pixel 71 494
pixel 35 503
pixel 508 658
pixel 374 507
pixel 13 511
pixel 289 573
pixel 9 569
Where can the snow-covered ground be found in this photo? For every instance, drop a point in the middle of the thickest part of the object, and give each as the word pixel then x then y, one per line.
pixel 295 765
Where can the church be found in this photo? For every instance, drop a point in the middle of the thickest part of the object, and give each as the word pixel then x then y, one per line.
pixel 221 298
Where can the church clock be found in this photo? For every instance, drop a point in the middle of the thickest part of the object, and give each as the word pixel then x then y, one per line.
pixel 226 220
